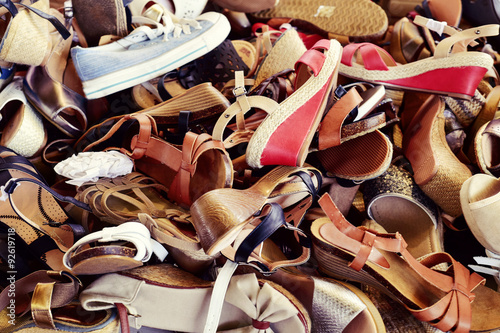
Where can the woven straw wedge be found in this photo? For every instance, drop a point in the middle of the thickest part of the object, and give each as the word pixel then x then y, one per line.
pixel 437 170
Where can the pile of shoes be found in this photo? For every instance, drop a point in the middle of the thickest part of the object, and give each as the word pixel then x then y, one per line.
pixel 272 166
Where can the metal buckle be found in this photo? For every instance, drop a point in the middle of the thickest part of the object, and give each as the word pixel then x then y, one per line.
pixel 239 91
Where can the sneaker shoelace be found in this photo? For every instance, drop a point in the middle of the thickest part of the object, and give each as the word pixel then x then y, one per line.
pixel 164 24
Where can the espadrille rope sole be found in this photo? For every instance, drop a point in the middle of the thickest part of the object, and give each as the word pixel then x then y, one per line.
pixel 355 18
pixel 418 75
pixel 457 74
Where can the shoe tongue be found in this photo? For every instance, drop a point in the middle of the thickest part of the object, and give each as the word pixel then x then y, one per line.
pixel 154 13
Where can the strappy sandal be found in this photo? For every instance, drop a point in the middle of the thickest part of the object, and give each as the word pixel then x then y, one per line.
pixel 437 74
pixel 453 300
pixel 224 217
pixel 113 249
pixel 121 199
pixel 137 197
pixel 55 90
pixel 172 166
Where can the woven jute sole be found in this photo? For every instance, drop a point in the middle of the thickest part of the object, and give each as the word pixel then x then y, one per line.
pixel 354 18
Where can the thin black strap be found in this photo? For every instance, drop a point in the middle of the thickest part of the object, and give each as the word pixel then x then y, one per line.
pixel 307 179
pixel 162 91
pixel 11 7
pixel 263 231
pixel 12 166
pixel 52 19
pixel 14 182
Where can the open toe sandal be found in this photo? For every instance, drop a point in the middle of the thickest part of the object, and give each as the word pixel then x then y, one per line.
pixel 55 90
pixel 173 166
pixel 455 74
pixel 223 218
pixel 137 197
pixel 453 300
pixel 112 249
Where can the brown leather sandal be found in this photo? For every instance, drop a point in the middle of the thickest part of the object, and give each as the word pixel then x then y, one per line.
pixel 175 167
pixel 452 300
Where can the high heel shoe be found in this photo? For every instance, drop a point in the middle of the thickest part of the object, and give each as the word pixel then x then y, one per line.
pixel 452 300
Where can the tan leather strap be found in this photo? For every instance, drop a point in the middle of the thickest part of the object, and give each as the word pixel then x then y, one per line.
pixel 465 36
pixel 147 127
pixel 238 109
pixel 193 147
pixel 330 131
pixel 163 232
pixel 453 310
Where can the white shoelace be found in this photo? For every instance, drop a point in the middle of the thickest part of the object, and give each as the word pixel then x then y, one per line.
pixel 171 23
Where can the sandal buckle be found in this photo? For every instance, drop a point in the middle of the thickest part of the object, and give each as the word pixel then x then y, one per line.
pixel 239 91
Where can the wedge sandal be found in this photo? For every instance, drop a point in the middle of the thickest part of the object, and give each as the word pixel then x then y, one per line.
pixel 395 202
pixel 453 300
pixel 455 74
pixel 271 143
pixel 437 171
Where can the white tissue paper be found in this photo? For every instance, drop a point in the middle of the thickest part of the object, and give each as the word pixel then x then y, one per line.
pixel 90 166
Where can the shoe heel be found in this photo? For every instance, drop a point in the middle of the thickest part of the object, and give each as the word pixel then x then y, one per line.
pixel 338 268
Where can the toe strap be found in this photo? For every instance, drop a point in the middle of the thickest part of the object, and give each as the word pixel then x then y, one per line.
pixel 454 310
